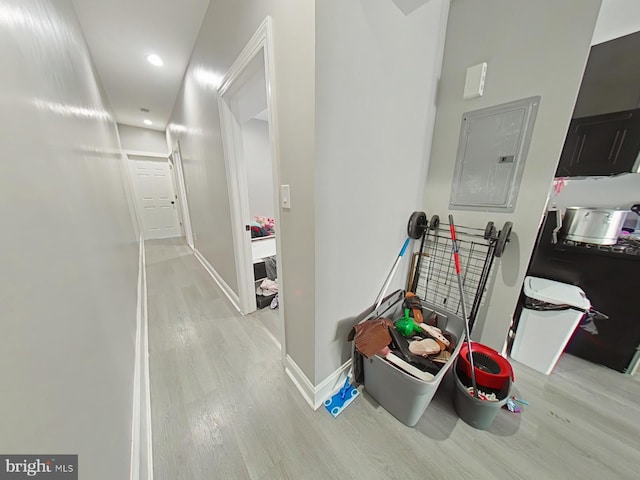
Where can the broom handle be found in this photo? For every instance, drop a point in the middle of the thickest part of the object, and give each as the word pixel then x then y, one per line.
pixel 456 258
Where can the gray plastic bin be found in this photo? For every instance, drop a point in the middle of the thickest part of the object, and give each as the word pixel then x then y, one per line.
pixel 401 394
pixel 478 413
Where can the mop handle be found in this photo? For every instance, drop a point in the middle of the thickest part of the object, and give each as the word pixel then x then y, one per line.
pixel 456 256
pixel 454 242
pixel 404 247
pixel 391 273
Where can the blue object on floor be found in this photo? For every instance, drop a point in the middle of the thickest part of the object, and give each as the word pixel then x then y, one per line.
pixel 342 399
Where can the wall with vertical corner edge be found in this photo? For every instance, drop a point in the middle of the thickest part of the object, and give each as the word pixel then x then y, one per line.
pixel 377 69
pixel 531 48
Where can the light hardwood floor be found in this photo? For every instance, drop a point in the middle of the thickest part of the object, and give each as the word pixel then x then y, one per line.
pixel 271 320
pixel 223 408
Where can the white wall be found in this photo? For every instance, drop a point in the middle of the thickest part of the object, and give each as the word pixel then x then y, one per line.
pixel 69 253
pixel 620 191
pixel 250 99
pixel 616 18
pixel 143 139
pixel 532 48
pixel 226 29
pixel 259 169
pixel 377 69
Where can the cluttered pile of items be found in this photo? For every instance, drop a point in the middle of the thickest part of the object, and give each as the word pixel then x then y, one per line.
pixel 405 343
pixel 412 344
pixel 262 227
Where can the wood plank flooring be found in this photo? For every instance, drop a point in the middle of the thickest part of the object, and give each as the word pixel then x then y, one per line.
pixel 271 320
pixel 223 408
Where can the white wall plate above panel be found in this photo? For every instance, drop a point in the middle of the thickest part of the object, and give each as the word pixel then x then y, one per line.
pixel 474 82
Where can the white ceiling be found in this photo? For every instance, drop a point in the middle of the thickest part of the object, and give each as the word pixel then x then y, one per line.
pixel 121 33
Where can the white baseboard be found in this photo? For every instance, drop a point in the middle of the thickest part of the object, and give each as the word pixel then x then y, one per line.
pixel 331 384
pixel 141 385
pixel 148 433
pixel 316 395
pixel 134 473
pixel 300 380
pixel 270 335
pixel 226 289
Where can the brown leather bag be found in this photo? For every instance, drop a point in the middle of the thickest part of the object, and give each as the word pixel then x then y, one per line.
pixel 371 336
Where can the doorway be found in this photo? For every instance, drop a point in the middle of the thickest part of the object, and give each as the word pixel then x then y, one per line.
pixel 155 198
pixel 179 184
pixel 249 131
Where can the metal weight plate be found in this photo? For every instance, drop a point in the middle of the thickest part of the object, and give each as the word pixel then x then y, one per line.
pixel 489 231
pixel 503 238
pixel 435 222
pixel 417 224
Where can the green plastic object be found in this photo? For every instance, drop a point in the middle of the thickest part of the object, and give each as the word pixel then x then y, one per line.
pixel 406 325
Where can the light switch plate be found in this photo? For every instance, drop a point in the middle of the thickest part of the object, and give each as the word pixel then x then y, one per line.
pixel 474 83
pixel 285 196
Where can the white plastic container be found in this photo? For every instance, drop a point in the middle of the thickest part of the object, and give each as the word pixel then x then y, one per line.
pixel 542 335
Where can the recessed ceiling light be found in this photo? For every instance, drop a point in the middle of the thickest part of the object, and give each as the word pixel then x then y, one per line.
pixel 154 59
pixel 148 122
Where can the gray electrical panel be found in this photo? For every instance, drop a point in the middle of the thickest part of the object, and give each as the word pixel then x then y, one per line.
pixel 491 154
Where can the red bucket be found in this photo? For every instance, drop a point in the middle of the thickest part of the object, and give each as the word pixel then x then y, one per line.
pixel 492 369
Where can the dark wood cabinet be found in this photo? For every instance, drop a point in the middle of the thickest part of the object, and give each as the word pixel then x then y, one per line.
pixel 601 145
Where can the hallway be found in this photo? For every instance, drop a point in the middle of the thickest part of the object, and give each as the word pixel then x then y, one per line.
pixel 203 390
pixel 223 407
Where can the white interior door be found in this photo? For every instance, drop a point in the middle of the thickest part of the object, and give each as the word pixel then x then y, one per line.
pixel 155 198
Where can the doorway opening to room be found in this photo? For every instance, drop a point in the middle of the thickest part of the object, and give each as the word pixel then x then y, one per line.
pixel 249 128
pixel 175 159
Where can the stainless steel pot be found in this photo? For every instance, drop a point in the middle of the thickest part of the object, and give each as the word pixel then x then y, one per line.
pixel 599 226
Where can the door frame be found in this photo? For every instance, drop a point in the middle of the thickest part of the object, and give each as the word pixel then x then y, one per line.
pixel 176 155
pixel 174 180
pixel 260 44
